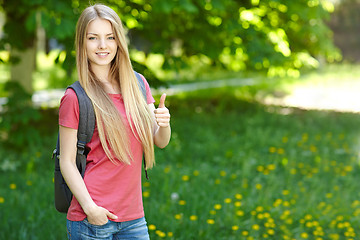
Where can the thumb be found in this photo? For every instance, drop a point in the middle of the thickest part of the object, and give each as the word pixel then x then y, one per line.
pixel 110 215
pixel 162 101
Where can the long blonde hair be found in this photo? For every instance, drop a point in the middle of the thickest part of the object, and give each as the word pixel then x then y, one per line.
pixel 112 132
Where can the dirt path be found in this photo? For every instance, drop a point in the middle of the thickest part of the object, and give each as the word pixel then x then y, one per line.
pixel 333 95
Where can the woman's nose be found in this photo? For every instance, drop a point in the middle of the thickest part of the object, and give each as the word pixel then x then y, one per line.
pixel 102 44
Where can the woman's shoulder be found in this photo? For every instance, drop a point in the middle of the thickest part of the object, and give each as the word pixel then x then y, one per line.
pixel 69 98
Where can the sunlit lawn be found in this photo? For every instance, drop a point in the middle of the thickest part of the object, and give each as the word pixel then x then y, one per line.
pixel 233 170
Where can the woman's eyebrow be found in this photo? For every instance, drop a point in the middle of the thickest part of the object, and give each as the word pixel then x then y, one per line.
pixel 98 34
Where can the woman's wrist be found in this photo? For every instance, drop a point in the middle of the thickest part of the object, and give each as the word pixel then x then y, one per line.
pixel 89 207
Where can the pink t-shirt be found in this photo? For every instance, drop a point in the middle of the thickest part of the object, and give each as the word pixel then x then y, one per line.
pixel 114 187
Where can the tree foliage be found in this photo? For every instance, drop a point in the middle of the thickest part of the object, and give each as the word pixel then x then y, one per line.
pixel 276 36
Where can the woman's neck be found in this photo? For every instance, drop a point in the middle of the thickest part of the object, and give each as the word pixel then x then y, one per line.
pixel 102 73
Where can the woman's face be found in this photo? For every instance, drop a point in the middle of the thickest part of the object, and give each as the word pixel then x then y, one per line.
pixel 101 46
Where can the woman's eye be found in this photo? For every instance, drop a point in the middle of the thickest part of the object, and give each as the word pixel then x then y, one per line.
pixel 91 38
pixel 111 38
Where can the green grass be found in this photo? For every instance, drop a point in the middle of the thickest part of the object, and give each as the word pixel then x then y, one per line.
pixel 233 170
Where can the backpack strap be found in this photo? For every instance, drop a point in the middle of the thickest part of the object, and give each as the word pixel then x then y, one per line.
pixel 86 125
pixel 143 91
pixel 141 84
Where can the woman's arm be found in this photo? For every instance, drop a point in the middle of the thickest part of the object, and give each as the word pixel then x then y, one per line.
pixel 161 118
pixel 68 139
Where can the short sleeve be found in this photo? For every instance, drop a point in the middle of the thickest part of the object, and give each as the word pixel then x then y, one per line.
pixel 69 110
pixel 149 98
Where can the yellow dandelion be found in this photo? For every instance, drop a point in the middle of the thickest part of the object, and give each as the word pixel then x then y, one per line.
pixel 222 173
pixel 160 233
pixel 185 178
pixel 340 225
pixel 152 227
pixel 286 203
pixel 277 202
pixel 258 186
pixel 12 186
pixel 348 168
pixel 260 168
pixel 271 167
pixel 227 200
pixel 170 234
pixel 212 212
pixel 193 217
pixel 329 195
pixel 237 204
pixel 239 196
pixel 287 212
pixel 178 216
pixel 196 173
pixel 182 202
pixel 217 206
pixel 146 194
pixel 240 213
pixel 210 221
pixel 217 181
pixel 304 235
pixel 235 228
pixel 280 151
pixel 255 227
pixel 167 170
pixel 305 137
pixel 285 192
pixel 2 200
pixel 272 149
pixel 259 208
pixel 245 233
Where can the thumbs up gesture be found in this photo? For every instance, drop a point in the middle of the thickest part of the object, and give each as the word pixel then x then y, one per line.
pixel 162 114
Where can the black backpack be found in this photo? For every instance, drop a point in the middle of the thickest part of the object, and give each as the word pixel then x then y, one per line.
pixel 63 195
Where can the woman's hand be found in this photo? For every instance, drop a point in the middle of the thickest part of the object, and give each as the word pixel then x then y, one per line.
pixel 99 215
pixel 161 118
pixel 162 115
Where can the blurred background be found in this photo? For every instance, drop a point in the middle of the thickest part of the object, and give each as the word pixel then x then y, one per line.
pixel 264 97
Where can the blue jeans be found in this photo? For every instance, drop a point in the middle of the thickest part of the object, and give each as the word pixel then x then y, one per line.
pixel 83 230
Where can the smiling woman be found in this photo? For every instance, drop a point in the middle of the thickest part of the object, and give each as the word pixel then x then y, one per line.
pixel 109 197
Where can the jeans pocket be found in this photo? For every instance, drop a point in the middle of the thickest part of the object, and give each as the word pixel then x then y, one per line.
pixel 87 223
pixel 91 231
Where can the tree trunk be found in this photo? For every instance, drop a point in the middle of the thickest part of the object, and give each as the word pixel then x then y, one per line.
pixel 22 70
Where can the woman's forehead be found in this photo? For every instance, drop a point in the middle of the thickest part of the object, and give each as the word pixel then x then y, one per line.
pixel 100 26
